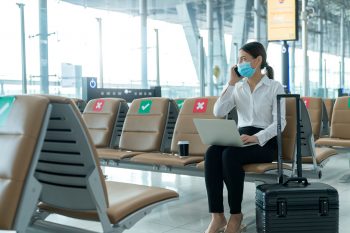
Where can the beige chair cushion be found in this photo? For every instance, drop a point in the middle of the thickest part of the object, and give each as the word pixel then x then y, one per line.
pixel 123 199
pixel 144 132
pixel 116 154
pixel 166 159
pixel 99 116
pixel 314 108
pixel 200 165
pixel 321 155
pixel 259 168
pixel 335 142
pixel 18 138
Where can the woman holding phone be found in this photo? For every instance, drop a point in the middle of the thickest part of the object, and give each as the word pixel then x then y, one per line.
pixel 252 90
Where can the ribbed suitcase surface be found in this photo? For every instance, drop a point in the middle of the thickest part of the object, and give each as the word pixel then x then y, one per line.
pixel 297 207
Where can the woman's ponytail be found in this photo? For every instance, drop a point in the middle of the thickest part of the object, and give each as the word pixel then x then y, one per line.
pixel 269 72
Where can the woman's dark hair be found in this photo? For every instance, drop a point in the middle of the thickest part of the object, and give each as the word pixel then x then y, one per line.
pixel 257 49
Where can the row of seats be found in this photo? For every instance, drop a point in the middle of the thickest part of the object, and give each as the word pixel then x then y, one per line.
pixel 137 148
pixel 48 157
pixel 48 151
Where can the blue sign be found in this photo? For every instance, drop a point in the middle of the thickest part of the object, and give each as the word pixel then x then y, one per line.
pixel 93 83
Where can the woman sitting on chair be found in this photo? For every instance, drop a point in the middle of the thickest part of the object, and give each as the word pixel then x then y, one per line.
pixel 253 92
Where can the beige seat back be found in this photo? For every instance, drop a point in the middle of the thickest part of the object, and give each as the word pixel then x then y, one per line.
pixel 103 117
pixel 289 132
pixel 66 166
pixel 184 127
pixel 340 127
pixel 314 108
pixel 145 124
pixel 329 103
pixel 22 119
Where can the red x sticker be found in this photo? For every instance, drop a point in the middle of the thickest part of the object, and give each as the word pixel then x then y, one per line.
pixel 307 102
pixel 200 106
pixel 98 105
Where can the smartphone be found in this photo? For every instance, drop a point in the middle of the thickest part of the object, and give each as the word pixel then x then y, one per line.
pixel 236 70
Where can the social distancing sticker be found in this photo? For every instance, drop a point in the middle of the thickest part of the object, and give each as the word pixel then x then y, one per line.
pixel 5 108
pixel 200 106
pixel 145 106
pixel 349 102
pixel 98 105
pixel 180 103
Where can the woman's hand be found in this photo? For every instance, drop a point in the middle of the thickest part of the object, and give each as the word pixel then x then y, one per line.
pixel 247 139
pixel 234 78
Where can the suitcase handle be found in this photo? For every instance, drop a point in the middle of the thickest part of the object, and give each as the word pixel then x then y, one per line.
pixel 299 179
pixel 279 135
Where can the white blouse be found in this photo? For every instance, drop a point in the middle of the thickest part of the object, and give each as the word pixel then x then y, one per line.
pixel 257 108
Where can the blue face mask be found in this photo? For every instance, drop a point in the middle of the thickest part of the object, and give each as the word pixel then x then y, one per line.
pixel 245 69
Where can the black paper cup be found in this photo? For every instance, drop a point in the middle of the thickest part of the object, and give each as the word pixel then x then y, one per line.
pixel 183 148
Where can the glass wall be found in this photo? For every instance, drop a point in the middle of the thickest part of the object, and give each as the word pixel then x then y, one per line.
pixel 73 48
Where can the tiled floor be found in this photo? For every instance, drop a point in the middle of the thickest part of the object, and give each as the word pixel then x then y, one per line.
pixel 190 214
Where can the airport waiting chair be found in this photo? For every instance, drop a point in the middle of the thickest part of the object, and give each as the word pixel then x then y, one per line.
pixel 185 130
pixel 23 123
pixel 329 104
pixel 339 137
pixel 340 125
pixel 73 185
pixel 148 127
pixel 311 117
pixel 312 111
pixel 104 119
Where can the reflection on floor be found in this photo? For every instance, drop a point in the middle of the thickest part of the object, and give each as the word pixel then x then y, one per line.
pixel 190 212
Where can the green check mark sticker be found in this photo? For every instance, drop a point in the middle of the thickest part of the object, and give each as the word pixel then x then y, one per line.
pixel 180 103
pixel 145 106
pixel 5 108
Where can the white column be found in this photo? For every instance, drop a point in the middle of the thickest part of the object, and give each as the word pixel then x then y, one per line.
pixel 306 84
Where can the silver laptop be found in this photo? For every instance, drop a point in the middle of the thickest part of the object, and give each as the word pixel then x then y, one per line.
pixel 219 132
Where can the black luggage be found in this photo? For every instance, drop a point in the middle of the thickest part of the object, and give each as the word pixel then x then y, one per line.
pixel 295 206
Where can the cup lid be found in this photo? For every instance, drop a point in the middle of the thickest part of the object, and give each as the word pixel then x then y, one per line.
pixel 183 142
